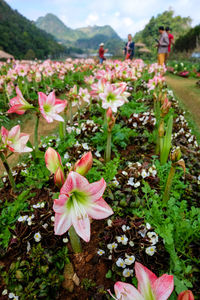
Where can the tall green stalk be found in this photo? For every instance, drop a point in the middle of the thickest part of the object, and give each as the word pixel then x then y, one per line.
pixel 75 240
pixel 8 170
pixel 61 130
pixel 108 146
pixel 169 183
pixel 70 112
pixel 36 132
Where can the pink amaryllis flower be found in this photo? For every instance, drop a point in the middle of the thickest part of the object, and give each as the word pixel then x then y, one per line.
pixel 50 107
pixel 78 201
pixel 149 286
pixel 112 97
pixel 84 95
pixel 14 140
pixel 18 104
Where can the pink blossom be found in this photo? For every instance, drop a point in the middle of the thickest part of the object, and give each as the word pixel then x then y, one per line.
pixel 18 104
pixel 113 97
pixel 14 140
pixel 50 107
pixel 78 201
pixel 149 286
pixel 84 95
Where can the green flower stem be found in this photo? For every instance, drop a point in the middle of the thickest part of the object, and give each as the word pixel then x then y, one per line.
pixel 70 112
pixel 169 184
pixel 65 122
pixel 108 146
pixel 61 130
pixel 36 132
pixel 8 170
pixel 75 240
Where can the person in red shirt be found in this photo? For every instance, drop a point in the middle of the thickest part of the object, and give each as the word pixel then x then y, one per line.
pixel 101 53
pixel 171 40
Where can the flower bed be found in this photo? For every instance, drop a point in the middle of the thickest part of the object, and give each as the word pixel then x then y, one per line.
pixel 128 130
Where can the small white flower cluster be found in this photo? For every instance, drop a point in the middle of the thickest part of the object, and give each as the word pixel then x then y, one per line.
pixel 39 205
pixel 127 261
pixel 198 179
pixel 142 119
pixel 152 237
pixel 89 125
pixel 71 129
pixel 10 295
pixel 26 218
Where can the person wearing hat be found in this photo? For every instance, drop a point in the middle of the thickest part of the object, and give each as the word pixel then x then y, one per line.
pixel 101 53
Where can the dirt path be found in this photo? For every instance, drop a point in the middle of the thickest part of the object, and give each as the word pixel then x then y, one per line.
pixel 185 89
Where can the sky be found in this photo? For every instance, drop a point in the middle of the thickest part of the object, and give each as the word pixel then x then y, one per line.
pixel 125 16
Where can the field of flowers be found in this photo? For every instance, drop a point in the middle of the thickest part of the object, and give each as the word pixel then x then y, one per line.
pixel 184 69
pixel 107 206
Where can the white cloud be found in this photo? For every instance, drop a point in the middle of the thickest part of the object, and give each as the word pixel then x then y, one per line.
pixel 92 19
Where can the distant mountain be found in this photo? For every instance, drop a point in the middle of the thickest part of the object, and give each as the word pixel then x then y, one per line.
pixel 21 38
pixel 85 38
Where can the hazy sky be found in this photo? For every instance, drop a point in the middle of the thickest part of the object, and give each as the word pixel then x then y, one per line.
pixel 123 15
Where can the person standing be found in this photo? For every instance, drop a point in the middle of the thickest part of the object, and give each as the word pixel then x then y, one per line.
pixel 162 45
pixel 101 53
pixel 129 48
pixel 171 40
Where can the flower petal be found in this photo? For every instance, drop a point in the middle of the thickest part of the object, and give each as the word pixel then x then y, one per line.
pixel 163 287
pixel 99 210
pixel 96 189
pixel 145 278
pixel 74 181
pixel 126 291
pixel 62 223
pixel 82 227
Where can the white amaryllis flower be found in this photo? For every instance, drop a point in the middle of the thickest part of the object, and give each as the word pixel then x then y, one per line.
pixel 112 97
pixel 50 107
pixel 120 263
pixel 14 140
pixel 149 285
pixel 150 250
pixel 78 202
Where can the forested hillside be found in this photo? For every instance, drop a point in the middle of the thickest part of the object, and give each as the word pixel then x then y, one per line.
pixel 178 25
pixel 189 41
pixel 21 38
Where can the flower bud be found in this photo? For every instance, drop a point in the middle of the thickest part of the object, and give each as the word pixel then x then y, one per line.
pixel 165 107
pixel 83 165
pixel 110 119
pixel 175 154
pixel 161 129
pixel 52 160
pixel 186 295
pixel 59 177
